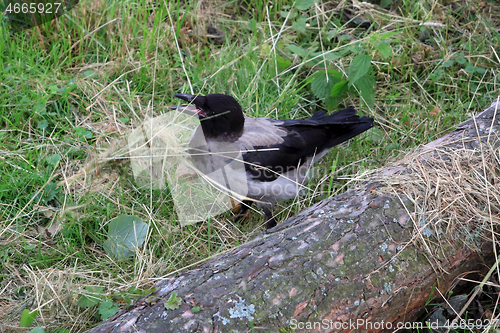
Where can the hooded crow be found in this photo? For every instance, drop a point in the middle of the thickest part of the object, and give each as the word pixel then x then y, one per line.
pixel 277 154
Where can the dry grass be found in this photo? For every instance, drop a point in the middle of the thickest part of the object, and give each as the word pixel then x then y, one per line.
pixel 454 192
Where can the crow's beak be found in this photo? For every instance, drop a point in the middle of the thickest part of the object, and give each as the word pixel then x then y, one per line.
pixel 187 97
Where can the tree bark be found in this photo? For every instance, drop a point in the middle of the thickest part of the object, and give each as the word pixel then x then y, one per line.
pixel 354 261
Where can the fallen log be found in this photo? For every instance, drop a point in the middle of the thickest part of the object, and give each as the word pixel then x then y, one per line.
pixel 366 259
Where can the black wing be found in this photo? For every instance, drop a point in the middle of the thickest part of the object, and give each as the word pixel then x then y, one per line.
pixel 301 139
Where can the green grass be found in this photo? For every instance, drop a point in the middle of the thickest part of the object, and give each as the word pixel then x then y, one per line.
pixel 70 89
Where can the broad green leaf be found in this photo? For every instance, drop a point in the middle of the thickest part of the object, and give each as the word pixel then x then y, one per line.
pixel 461 60
pixel 366 86
pixel 87 302
pixel 304 4
pixel 318 60
pixel 195 309
pixel 385 3
pixel 331 34
pixel 38 107
pixel 38 330
pixel 27 318
pixel 388 35
pixel 332 102
pixel 282 63
pixel 323 83
pixel 50 191
pixel 93 297
pixel 355 48
pixel 332 56
pixel 320 86
pixel 126 233
pixel 470 68
pixel 384 49
pixel 296 50
pixel 83 133
pixel 107 309
pixel 173 302
pixel 300 25
pixel 448 63
pixel 339 89
pixel 42 124
pixel 290 15
pixel 252 24
pixel 480 70
pixel 360 66
pixel 53 159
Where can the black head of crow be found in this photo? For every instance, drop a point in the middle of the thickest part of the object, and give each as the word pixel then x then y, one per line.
pixel 220 115
pixel 277 153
